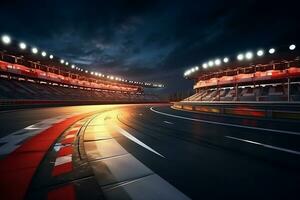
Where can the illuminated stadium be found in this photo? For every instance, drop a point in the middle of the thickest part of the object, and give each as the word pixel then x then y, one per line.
pixel 29 75
pixel 266 75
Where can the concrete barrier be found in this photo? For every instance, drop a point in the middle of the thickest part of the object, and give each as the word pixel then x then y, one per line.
pixel 266 110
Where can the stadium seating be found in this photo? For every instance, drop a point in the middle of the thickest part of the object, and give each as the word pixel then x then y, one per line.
pixel 15 89
pixel 272 92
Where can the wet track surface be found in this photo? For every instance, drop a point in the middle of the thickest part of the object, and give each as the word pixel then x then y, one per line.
pixel 202 156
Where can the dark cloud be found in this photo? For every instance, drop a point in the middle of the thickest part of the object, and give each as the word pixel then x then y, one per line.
pixel 149 40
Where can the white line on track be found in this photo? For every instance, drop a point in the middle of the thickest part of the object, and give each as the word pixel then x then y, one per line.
pixel 265 145
pixel 225 124
pixel 132 138
pixel 167 122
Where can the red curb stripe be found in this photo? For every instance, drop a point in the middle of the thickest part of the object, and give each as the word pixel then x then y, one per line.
pixel 67 141
pixel 17 169
pixel 72 132
pixel 66 192
pixel 65 151
pixel 62 169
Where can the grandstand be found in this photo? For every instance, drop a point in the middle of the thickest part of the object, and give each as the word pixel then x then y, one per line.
pixel 272 76
pixel 26 75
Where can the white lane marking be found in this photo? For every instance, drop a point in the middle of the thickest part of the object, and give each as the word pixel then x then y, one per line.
pixel 31 127
pixel 167 122
pixel 265 145
pixel 226 124
pixel 132 138
pixel 63 160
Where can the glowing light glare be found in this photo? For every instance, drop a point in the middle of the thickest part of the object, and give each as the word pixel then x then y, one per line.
pixel 92 73
pixel 51 56
pixel 204 65
pixel 240 57
pixel 6 39
pixel 260 52
pixel 217 62
pixel 22 45
pixel 86 71
pixel 271 51
pixel 44 53
pixel 62 61
pixel 226 60
pixel 292 47
pixel 196 68
pixel 73 66
pixel 193 69
pixel 67 63
pixel 249 55
pixel 34 50
pixel 211 63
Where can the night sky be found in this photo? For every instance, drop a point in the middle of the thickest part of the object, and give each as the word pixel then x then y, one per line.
pixel 149 40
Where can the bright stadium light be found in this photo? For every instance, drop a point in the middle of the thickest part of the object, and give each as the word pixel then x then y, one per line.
pixel 211 63
pixel 44 53
pixel 73 66
pixel 240 57
pixel 193 69
pixel 249 55
pixel 260 52
pixel 67 63
pixel 22 45
pixel 217 62
pixel 196 68
pixel 271 51
pixel 204 65
pixel 86 71
pixel 6 39
pixel 226 60
pixel 34 50
pixel 292 47
pixel 51 56
pixel 62 61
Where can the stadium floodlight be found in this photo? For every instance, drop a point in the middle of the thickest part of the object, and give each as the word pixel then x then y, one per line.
pixel 6 39
pixel 51 56
pixel 204 65
pixel 34 50
pixel 67 63
pixel 92 73
pixel 196 68
pixel 81 70
pixel 217 62
pixel 112 78
pixel 22 45
pixel 44 53
pixel 86 71
pixel 292 47
pixel 271 51
pixel 193 69
pixel 73 66
pixel 260 52
pixel 240 57
pixel 96 73
pixel 249 55
pixel 226 60
pixel 62 61
pixel 211 63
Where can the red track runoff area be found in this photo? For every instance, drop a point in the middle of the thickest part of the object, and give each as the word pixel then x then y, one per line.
pixel 18 168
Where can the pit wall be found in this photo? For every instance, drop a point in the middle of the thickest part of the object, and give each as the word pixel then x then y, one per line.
pixel 268 110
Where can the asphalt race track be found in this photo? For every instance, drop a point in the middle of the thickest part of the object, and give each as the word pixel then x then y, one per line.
pixel 151 152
